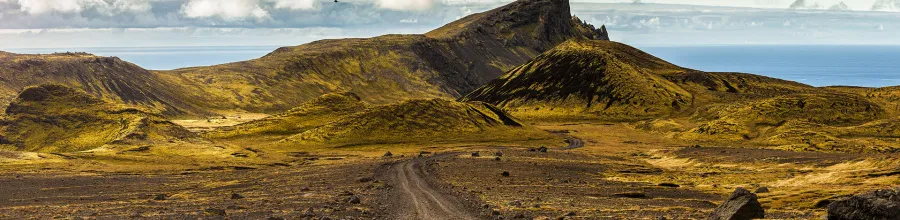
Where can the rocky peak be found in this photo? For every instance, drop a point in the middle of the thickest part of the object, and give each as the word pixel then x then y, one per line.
pixel 540 24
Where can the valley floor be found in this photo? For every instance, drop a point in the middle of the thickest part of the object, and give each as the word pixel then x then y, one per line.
pixel 606 171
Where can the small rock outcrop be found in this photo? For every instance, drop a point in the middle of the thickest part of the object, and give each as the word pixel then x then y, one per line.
pixel 741 205
pixel 876 205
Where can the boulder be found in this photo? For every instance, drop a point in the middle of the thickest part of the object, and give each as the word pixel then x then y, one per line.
pixel 236 196
pixel 388 154
pixel 353 199
pixel 741 205
pixel 876 205
pixel 762 190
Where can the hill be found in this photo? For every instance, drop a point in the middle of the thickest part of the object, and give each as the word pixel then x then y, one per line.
pixel 448 62
pixel 593 79
pixel 315 113
pixel 609 81
pixel 107 78
pixel 56 119
pixel 431 121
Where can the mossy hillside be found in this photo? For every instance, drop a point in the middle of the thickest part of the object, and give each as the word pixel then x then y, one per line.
pixel 315 113
pixel 591 79
pixel 106 78
pixel 390 68
pixel 807 120
pixel 422 122
pixel 54 118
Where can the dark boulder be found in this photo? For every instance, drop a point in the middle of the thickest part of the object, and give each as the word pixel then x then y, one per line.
pixel 741 205
pixel 762 190
pixel 353 200
pixel 236 196
pixel 388 154
pixel 505 173
pixel 876 205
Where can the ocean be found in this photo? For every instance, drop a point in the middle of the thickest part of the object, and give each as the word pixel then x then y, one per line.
pixel 869 66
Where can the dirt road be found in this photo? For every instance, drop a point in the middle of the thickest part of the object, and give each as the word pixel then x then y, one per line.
pixel 416 197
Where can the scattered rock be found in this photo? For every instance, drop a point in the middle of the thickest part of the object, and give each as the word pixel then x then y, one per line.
pixel 542 149
pixel 762 190
pixel 353 199
pixel 498 153
pixel 274 218
pixel 308 212
pixel 305 189
pixel 634 195
pixel 517 203
pixel 161 197
pixel 388 154
pixel 214 212
pixel 497 158
pixel 669 185
pixel 741 205
pixel 505 174
pixel 365 179
pixel 570 214
pixel 876 205
pixel 236 196
pixel 476 154
pixel 520 216
pixel 495 212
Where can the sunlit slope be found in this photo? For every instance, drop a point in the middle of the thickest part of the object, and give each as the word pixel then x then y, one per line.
pixel 107 78
pixel 55 119
pixel 446 63
pixel 320 111
pixel 433 121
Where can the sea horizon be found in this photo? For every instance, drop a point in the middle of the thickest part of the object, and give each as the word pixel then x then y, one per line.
pixel 816 65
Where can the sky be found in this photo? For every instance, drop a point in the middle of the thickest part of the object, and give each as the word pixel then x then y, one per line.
pixel 150 23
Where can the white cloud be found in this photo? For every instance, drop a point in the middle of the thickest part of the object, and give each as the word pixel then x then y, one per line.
pixel 46 6
pixel 294 4
pixel 108 7
pixel 225 9
pixel 405 5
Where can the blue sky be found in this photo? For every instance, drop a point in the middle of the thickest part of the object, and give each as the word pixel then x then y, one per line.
pixel 113 23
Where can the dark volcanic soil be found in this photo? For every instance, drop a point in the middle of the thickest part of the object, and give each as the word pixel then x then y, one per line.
pixel 269 192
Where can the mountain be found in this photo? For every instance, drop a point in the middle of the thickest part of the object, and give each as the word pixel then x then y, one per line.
pixel 315 113
pixel 613 81
pixel 108 78
pixel 588 78
pixel 54 119
pixel 422 121
pixel 447 62
pixel 608 81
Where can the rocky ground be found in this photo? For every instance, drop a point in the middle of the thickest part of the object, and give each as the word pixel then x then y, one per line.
pixel 592 177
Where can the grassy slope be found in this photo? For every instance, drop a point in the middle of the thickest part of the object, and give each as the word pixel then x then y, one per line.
pixel 426 122
pixel 57 119
pixel 315 113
